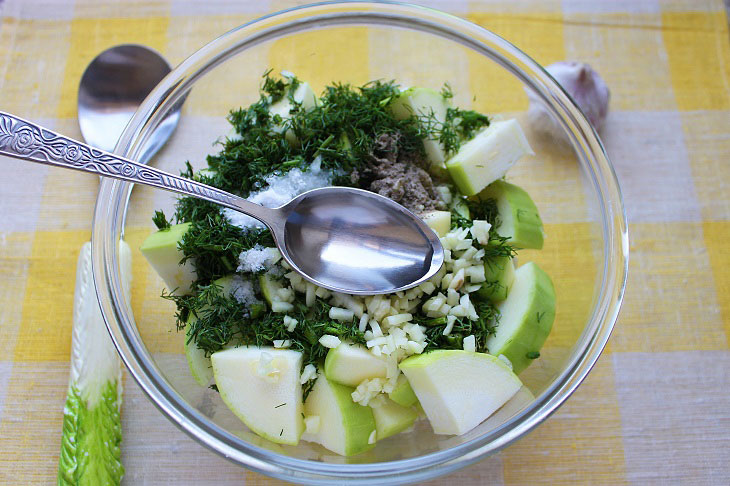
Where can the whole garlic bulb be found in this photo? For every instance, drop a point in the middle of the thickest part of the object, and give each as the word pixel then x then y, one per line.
pixel 584 85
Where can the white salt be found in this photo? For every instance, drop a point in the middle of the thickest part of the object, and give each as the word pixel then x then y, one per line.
pixel 243 291
pixel 280 189
pixel 257 259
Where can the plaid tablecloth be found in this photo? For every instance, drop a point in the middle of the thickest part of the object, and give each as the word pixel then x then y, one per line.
pixel 655 410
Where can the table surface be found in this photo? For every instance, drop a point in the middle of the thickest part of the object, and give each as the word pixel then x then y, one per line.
pixel 655 409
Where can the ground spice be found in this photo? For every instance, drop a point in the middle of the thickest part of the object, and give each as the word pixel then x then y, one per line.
pixel 400 176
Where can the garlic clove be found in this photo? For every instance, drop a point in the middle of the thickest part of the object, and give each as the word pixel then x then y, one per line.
pixel 584 85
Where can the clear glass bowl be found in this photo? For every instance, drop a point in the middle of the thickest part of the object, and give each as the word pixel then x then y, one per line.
pixel 575 188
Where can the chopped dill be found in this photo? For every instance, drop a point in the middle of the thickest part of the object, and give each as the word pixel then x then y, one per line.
pixel 481 329
pixel 446 91
pixel 161 221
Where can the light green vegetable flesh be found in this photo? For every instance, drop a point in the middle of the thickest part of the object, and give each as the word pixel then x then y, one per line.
pixel 488 156
pixel 459 389
pixel 500 274
pixel 439 221
pixel 268 401
pixel 349 364
pixel 460 207
pixel 520 219
pixel 269 288
pixel 391 418
pixel 90 447
pixel 345 426
pixel 402 393
pixel 527 317
pixel 161 251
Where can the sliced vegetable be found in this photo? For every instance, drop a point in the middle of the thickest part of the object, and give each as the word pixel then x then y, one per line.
pixel 500 275
pixel 262 387
pixel 269 288
pixel 402 393
pixel 346 427
pixel 391 418
pixel 459 389
pixel 488 156
pixel 350 364
pixel 527 317
pixel 161 251
pixel 520 219
pixel 439 221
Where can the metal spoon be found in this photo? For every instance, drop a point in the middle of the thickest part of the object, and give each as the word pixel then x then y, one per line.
pixel 111 89
pixel 339 238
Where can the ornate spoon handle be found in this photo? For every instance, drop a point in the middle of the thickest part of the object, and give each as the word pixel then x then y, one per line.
pixel 27 141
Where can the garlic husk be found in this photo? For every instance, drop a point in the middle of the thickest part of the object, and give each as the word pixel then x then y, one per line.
pixel 584 85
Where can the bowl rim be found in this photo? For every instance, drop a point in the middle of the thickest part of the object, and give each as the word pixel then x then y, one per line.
pixel 109 212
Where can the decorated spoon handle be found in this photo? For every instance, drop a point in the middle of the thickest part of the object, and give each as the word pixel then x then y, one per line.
pixel 24 140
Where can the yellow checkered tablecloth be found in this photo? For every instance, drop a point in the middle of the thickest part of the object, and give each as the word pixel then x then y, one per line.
pixel 656 408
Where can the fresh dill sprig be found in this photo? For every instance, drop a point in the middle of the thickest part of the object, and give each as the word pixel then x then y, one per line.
pixel 161 221
pixel 275 88
pixel 446 91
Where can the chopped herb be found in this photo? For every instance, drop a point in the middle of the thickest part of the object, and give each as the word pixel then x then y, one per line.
pixel 446 91
pixel 214 387
pixel 540 316
pixel 275 88
pixel 220 320
pixel 161 221
pixel 281 405
pixel 281 433
pixel 482 328
pixel 532 355
pixel 458 126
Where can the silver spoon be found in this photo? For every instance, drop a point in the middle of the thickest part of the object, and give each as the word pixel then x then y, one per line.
pixel 112 87
pixel 340 238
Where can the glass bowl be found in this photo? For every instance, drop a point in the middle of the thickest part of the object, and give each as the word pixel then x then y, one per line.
pixel 573 184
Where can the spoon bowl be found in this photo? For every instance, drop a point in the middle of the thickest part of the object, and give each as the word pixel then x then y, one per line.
pixel 112 87
pixel 358 242
pixel 340 238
